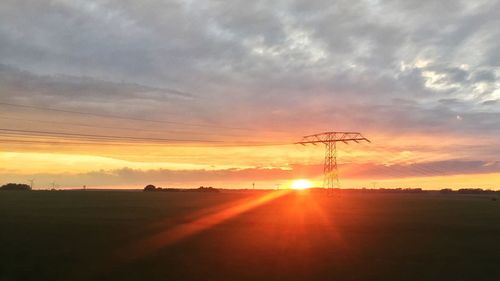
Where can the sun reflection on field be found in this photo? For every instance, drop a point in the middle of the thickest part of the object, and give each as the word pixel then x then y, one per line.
pixel 200 223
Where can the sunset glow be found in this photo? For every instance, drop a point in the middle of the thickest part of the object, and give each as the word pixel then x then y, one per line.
pixel 301 184
pixel 221 101
pixel 249 140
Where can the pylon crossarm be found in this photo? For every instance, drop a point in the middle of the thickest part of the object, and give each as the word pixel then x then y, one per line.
pixel 344 137
pixel 357 140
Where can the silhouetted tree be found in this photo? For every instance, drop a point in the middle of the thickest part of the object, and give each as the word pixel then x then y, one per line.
pixel 16 186
pixel 207 189
pixel 150 187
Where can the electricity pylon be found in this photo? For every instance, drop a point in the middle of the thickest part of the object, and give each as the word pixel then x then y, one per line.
pixel 330 139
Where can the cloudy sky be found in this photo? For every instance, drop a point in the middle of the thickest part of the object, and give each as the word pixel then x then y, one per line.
pixel 231 84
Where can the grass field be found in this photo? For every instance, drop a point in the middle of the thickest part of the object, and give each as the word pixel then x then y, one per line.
pixel 91 235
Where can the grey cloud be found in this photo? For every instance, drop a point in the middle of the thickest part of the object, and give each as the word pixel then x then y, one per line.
pixel 265 64
pixel 440 168
pixel 88 94
pixel 490 102
pixel 484 75
pixel 19 82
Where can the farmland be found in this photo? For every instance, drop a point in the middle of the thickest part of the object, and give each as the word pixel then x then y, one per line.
pixel 299 235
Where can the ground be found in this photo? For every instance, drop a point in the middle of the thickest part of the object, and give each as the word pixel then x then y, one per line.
pixel 97 235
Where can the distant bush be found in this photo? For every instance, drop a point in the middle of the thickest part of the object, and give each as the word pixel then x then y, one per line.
pixel 16 186
pixel 446 191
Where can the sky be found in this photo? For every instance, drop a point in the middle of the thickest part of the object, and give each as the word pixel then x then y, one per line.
pixel 120 94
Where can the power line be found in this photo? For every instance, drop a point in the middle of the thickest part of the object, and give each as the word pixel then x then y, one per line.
pixel 122 117
pixel 93 138
pixel 118 128
pixel 418 167
pixel 17 141
pixel 406 170
pixel 13 137
pixel 103 136
pixel 71 143
pixel 235 144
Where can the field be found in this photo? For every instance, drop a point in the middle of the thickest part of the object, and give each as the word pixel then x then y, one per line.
pixel 98 235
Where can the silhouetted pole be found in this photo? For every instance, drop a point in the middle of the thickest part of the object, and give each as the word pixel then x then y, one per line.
pixel 32 183
pixel 330 139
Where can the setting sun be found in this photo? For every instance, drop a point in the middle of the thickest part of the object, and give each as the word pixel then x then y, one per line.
pixel 301 184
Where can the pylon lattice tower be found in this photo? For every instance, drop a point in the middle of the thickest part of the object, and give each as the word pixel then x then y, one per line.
pixel 330 140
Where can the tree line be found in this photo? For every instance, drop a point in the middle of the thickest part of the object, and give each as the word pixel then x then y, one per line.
pixel 152 188
pixel 16 186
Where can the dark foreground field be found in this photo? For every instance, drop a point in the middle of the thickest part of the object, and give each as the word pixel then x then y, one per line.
pixel 234 236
